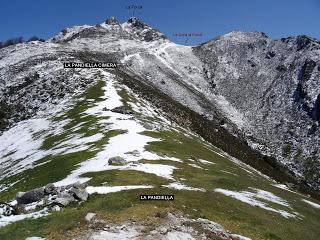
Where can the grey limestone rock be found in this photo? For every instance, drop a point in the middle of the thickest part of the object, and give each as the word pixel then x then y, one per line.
pixel 117 161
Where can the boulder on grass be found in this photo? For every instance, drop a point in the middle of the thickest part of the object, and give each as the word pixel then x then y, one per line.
pixel 79 194
pixel 122 110
pixel 80 185
pixel 7 210
pixel 90 216
pixel 34 195
pixel 64 199
pixel 117 161
pixel 56 208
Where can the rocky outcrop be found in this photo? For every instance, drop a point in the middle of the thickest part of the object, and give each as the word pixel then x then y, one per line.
pixel 136 22
pixel 122 110
pixel 117 161
pixel 50 195
pixel 168 226
pixel 57 195
pixel 112 21
pixel 54 195
pixel 275 85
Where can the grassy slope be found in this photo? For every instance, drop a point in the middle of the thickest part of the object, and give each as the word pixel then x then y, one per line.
pixel 234 215
pixel 60 166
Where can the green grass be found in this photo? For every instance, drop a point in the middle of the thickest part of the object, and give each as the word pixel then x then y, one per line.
pixel 124 177
pixel 234 216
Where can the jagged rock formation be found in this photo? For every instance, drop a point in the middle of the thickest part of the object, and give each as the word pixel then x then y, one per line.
pixel 266 92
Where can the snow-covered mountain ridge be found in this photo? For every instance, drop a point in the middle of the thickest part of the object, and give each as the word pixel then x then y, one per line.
pixel 275 85
pixel 265 92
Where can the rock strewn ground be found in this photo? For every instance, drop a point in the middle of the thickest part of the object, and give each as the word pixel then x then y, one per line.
pixel 167 227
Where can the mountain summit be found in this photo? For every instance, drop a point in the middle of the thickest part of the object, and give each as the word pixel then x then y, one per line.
pixel 133 28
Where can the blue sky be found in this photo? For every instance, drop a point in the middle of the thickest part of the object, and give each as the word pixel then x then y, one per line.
pixel 277 18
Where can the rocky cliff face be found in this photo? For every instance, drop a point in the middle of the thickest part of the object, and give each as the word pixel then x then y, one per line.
pixel 265 92
pixel 275 84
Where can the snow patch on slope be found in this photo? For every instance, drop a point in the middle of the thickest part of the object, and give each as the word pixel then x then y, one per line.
pixel 180 186
pixel 19 146
pixel 106 190
pixel 315 205
pixel 254 199
pixel 5 220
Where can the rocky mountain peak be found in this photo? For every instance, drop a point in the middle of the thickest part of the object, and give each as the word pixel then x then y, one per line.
pixel 136 22
pixel 302 42
pixel 242 36
pixel 112 21
pixel 138 29
pixel 133 28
